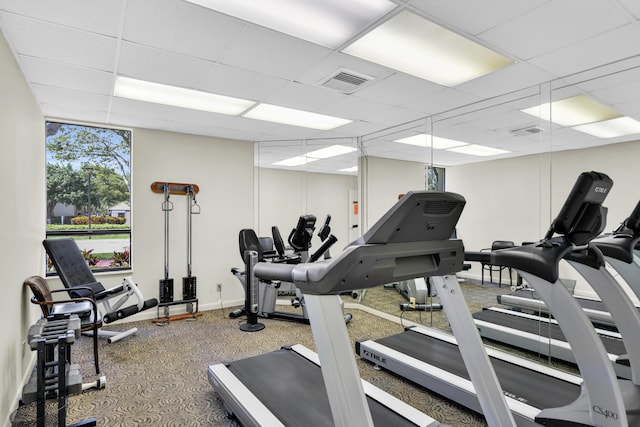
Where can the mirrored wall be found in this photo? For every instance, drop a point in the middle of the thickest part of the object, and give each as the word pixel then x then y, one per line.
pixel 513 157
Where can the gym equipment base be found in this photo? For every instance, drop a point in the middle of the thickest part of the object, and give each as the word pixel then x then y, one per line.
pixel 182 316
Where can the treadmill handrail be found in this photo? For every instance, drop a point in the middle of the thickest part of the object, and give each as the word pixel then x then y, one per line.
pixel 366 266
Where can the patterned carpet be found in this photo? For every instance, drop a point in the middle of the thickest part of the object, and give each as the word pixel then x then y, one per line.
pixel 159 376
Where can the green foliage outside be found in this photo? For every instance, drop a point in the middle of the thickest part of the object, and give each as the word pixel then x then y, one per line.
pixel 87 167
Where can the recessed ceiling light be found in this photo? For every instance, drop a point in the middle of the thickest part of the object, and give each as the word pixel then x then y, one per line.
pixel 411 44
pixel 332 151
pixel 290 116
pixel 142 90
pixel 295 161
pixel 329 23
pixel 611 128
pixel 577 110
pixel 478 150
pixel 424 140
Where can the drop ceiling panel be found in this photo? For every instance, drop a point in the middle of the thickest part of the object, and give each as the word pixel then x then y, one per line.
pixel 475 17
pixel 124 106
pixel 69 98
pixel 62 44
pixel 102 17
pixel 508 79
pixel 355 129
pixel 554 25
pixel 394 115
pixel 265 51
pixel 398 89
pixel 631 6
pixel 303 97
pixel 50 73
pixel 180 27
pixel 442 101
pixel 161 66
pixel 619 94
pixel 129 120
pixel 74 114
pixel 353 108
pixel 619 43
pixel 240 83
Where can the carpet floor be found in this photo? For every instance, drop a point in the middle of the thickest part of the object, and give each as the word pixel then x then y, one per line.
pixel 158 377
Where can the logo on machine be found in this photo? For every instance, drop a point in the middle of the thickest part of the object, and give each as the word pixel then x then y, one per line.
pixel 602 190
pixel 605 412
pixel 374 357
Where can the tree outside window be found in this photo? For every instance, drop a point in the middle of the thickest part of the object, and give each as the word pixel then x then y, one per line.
pixel 89 191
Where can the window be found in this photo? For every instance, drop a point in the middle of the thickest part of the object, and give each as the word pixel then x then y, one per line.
pixel 89 192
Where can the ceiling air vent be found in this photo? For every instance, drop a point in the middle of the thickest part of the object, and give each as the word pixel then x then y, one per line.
pixel 530 130
pixel 345 81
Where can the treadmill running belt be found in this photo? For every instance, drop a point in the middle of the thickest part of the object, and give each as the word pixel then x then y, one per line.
pixel 537 390
pixel 549 330
pixel 293 389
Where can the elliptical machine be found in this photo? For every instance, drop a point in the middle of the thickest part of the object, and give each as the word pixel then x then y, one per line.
pixel 261 295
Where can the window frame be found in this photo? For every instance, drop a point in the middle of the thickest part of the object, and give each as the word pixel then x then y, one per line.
pixel 90 232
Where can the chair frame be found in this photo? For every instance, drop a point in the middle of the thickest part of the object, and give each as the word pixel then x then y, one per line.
pixel 39 288
pixel 497 245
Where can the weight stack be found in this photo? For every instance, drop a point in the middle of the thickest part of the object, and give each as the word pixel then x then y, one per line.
pixel 189 288
pixel 166 290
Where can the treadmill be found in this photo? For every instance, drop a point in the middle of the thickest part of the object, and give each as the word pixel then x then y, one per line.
pixel 411 240
pixel 544 336
pixel 525 299
pixel 600 399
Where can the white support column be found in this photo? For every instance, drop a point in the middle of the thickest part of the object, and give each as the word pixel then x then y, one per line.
pixel 602 388
pixel 629 272
pixel 484 379
pixel 622 309
pixel 339 370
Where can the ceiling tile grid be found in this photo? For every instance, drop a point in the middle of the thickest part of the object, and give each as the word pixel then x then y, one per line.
pixel 71 52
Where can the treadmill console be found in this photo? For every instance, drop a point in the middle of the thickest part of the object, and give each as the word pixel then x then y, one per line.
pixel 582 216
pixel 411 240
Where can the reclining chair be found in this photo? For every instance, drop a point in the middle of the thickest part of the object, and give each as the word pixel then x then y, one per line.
pixel 79 281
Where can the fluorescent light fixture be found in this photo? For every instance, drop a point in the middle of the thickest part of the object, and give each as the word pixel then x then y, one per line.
pixel 312 156
pixel 334 150
pixel 574 111
pixel 478 150
pixel 424 140
pixel 351 169
pixel 611 128
pixel 289 116
pixel 295 161
pixel 416 46
pixel 141 90
pixel 329 23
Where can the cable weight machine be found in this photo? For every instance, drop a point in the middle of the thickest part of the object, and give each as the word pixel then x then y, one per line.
pixel 189 288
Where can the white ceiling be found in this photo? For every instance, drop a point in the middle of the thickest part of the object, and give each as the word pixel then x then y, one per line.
pixel 72 50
